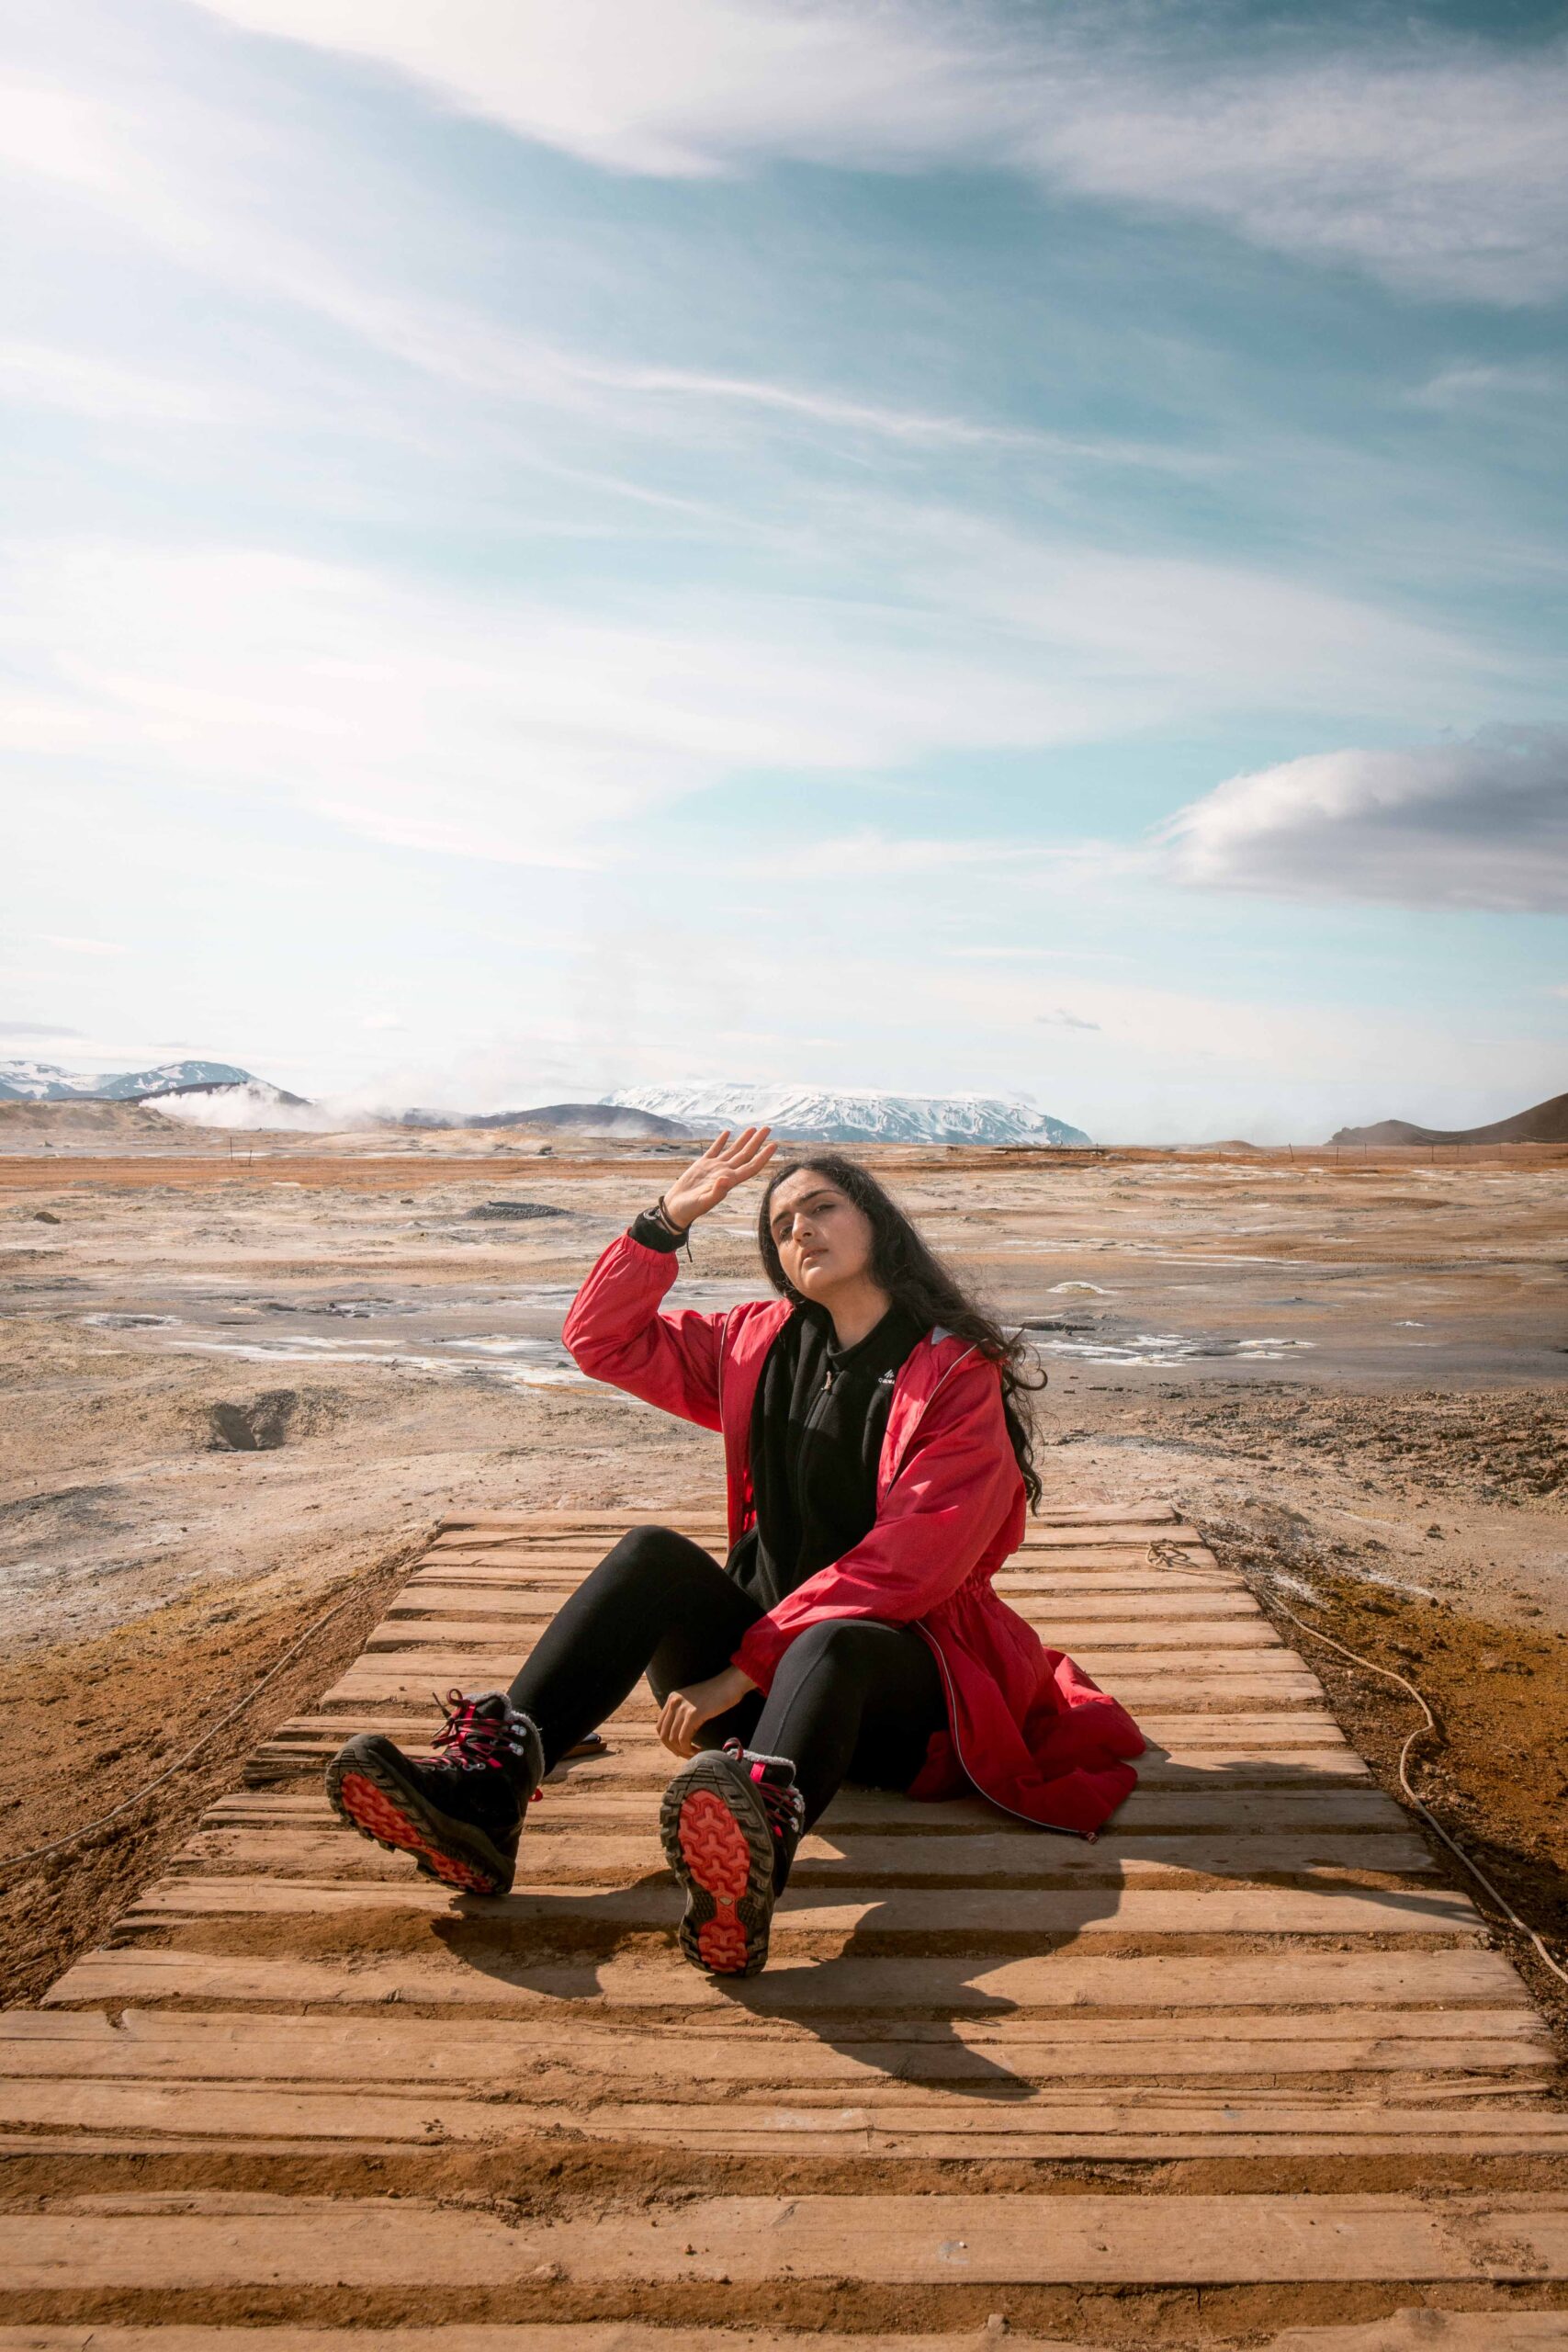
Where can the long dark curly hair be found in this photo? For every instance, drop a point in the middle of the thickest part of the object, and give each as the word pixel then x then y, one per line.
pixel 903 1266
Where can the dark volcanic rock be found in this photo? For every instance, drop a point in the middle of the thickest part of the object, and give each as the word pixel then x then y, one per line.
pixel 515 1212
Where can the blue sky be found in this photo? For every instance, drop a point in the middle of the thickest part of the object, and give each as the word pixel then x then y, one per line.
pixel 938 547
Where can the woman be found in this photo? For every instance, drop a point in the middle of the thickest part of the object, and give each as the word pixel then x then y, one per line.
pixel 879 1465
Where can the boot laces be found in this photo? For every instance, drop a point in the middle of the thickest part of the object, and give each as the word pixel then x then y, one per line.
pixel 782 1801
pixel 475 1741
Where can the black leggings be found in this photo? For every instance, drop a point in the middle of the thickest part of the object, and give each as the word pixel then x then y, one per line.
pixel 851 1698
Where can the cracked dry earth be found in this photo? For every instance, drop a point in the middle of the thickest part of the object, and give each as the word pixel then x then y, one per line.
pixel 1207 2124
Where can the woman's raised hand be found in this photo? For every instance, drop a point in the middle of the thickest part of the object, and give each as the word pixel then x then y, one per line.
pixel 716 1172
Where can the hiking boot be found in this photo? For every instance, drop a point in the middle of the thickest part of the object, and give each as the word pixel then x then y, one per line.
pixel 459 1815
pixel 731 1822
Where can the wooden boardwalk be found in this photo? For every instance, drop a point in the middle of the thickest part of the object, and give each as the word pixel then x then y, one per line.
pixel 301 2084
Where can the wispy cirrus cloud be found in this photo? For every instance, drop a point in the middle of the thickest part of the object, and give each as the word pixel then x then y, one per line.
pixel 1436 163
pixel 167 184
pixel 1484 383
pixel 87 384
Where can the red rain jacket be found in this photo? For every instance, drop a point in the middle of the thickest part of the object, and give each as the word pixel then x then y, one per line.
pixel 1025 1726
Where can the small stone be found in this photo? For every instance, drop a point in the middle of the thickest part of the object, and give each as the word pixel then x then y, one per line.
pixel 45 1216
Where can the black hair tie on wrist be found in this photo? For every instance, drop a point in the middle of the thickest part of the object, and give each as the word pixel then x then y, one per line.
pixel 668 1222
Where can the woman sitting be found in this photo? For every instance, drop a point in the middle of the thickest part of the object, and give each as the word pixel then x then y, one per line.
pixel 878 1464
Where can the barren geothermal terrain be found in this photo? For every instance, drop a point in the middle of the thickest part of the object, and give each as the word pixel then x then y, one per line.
pixel 239 1381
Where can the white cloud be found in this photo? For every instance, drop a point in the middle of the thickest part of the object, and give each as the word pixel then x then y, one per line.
pixel 677 88
pixel 1436 163
pixel 472 723
pixel 1475 823
pixel 1477 383
pixel 36 1029
pixel 915 427
pixel 59 134
pixel 81 946
pixel 1441 169
pixel 85 384
pixel 1148 634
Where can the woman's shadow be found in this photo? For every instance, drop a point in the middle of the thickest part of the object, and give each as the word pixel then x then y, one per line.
pixel 910 2015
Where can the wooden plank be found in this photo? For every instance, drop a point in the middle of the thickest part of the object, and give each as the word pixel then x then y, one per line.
pixel 1270 1731
pixel 1168 1728
pixel 1154 1598
pixel 588 1851
pixel 692 1517
pixel 1175 1668
pixel 486 1626
pixel 1180 1681
pixel 1042 1537
pixel 1028 1913
pixel 1093 1567
pixel 552 2060
pixel 631 1777
pixel 1078 2240
pixel 638 1763
pixel 574 1800
pixel 985 1985
pixel 459 1614
pixel 428 2115
pixel 141 2041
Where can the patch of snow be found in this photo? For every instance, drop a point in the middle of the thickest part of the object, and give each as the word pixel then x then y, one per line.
pixel 32 1081
pixel 806 1114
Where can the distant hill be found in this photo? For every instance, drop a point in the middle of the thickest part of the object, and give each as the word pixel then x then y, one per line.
pixel 803 1114
pixel 1545 1123
pixel 28 1122
pixel 28 1081
pixel 582 1118
pixel 589 1119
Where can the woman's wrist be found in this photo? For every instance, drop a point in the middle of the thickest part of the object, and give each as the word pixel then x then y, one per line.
pixel 671 1223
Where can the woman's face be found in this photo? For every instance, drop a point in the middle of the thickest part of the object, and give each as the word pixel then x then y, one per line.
pixel 821 1238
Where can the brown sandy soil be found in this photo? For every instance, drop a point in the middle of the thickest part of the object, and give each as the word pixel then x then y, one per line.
pixel 90 1722
pixel 1495 1775
pixel 1350 1370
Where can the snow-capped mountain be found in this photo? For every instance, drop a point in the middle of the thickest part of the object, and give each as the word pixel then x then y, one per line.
pixel 26 1081
pixel 803 1115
